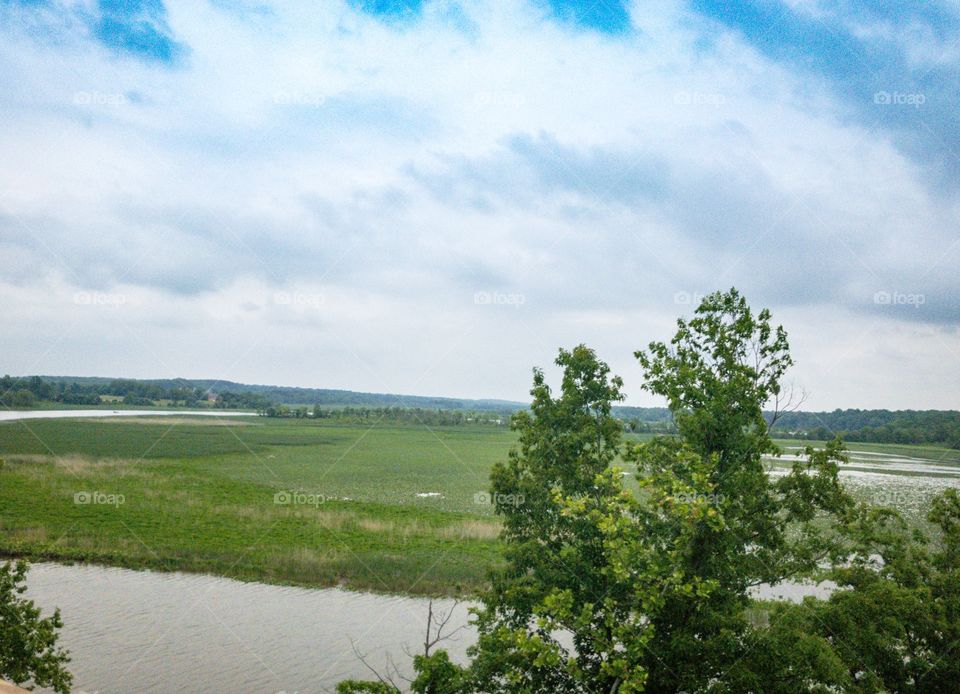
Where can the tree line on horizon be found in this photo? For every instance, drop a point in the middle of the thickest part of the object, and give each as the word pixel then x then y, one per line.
pixel 33 390
pixel 372 415
pixel 908 427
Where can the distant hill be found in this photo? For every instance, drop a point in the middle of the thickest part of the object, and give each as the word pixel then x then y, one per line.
pixel 940 427
pixel 289 395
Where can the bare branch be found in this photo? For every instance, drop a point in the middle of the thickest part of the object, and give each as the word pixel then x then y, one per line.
pixel 385 679
pixel 785 402
pixel 436 623
pixel 426 638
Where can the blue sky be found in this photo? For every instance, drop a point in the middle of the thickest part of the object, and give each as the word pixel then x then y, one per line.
pixel 137 29
pixel 431 197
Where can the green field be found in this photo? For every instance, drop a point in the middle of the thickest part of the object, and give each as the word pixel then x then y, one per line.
pixel 199 495
pixel 380 507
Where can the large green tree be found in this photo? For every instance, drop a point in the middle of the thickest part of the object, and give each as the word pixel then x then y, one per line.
pixel 720 370
pixel 568 612
pixel 615 588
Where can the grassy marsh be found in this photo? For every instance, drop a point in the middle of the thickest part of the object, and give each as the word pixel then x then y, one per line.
pixel 383 507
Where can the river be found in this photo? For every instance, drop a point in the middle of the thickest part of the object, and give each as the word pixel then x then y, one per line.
pixel 146 631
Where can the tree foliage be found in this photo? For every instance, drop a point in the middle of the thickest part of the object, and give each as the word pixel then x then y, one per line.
pixel 29 653
pixel 611 588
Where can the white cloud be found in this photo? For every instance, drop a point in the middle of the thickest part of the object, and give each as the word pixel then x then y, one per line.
pixel 398 171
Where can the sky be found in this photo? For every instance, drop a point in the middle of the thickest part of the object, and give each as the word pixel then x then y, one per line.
pixel 431 197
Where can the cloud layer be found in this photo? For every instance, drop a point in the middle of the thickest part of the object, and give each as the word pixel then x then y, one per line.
pixel 432 197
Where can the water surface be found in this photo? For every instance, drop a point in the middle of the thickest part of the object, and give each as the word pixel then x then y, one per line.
pixel 145 631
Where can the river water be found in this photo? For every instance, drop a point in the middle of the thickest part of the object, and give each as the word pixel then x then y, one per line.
pixel 145 631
